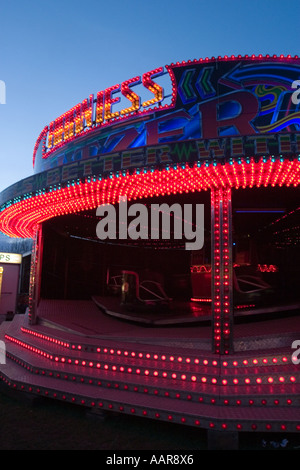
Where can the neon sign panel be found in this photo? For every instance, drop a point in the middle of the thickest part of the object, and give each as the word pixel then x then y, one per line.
pixel 206 99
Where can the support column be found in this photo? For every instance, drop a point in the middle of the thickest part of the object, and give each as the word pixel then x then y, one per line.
pixel 221 254
pixel 35 274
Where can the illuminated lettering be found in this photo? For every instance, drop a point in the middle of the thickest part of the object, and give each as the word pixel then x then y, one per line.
pixel 72 122
pixel 69 124
pixel 157 90
pixel 126 160
pixel 211 124
pixel 99 107
pixel 50 134
pixel 265 268
pixel 237 146
pixel 216 149
pixel 130 95
pixel 58 130
pixel 212 149
pixel 69 172
pixel 121 139
pixel 240 111
pixel 94 112
pixel 107 162
pixel 285 144
pixel 151 156
pixel 132 158
pixel 88 167
pixel 154 136
pixel 203 153
pixel 53 177
pixel 87 111
pixel 109 101
pixel 164 155
pixel 77 119
pixel 261 143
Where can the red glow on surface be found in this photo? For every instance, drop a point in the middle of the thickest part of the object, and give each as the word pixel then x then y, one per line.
pixel 20 219
pixel 206 379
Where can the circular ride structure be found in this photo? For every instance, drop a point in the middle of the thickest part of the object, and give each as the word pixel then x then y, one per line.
pixel 221 132
pixel 216 125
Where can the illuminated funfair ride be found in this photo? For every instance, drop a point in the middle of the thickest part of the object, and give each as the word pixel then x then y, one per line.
pixel 220 131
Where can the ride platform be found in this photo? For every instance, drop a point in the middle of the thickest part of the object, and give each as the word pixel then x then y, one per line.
pixel 78 354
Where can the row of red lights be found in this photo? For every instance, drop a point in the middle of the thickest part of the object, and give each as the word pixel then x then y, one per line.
pixel 235 57
pixel 155 414
pixel 227 260
pixel 154 372
pixel 164 357
pixel 213 401
pixel 220 201
pixel 217 284
pixel 49 338
pixel 174 394
pixel 21 217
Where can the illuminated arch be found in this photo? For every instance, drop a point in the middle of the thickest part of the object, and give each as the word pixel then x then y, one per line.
pixel 21 216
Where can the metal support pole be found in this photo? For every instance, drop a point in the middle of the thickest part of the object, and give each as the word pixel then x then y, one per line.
pixel 221 254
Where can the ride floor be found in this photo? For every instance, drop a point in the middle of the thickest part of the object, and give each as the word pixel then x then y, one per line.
pixel 184 323
pixel 80 354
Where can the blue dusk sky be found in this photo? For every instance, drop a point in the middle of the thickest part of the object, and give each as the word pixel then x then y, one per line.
pixel 55 54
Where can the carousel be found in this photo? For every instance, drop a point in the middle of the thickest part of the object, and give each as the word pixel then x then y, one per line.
pixel 205 332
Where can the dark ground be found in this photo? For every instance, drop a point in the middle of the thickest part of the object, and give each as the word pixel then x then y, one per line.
pixel 48 425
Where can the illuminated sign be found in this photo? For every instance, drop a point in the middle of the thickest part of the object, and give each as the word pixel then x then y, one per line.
pixel 191 126
pixel 11 258
pixel 92 113
pixel 204 99
pixel 59 171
